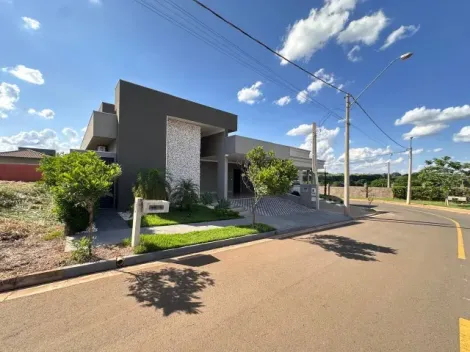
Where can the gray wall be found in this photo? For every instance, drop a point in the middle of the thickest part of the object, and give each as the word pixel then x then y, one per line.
pixel 107 107
pixel 142 115
pixel 209 177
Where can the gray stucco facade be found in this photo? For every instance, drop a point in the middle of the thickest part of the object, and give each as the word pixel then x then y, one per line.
pixel 145 128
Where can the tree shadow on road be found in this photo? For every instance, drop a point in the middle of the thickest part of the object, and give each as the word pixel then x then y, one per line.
pixel 347 247
pixel 172 290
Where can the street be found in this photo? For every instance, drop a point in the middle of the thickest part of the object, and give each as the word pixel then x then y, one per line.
pixel 392 282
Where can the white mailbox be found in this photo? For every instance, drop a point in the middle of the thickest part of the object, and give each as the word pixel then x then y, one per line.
pixel 156 206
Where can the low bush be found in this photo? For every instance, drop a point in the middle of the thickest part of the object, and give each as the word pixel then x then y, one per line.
pixel 74 217
pixel 152 184
pixel 206 198
pixel 185 194
pixel 419 193
pixel 226 213
pixel 8 198
pixel 222 204
pixel 83 250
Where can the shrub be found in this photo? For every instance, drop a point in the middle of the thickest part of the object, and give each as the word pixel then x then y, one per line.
pixel 222 204
pixel 419 193
pixel 8 198
pixel 152 184
pixel 185 194
pixel 380 182
pixel 74 217
pixel 228 213
pixel 206 198
pixel 83 249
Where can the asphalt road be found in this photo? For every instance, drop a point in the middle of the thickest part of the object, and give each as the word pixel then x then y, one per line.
pixel 390 283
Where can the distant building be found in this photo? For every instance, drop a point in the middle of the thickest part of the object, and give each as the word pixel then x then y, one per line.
pixel 21 165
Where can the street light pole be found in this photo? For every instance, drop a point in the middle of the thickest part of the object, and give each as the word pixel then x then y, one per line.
pixel 410 168
pixel 347 210
pixel 314 165
pixel 388 172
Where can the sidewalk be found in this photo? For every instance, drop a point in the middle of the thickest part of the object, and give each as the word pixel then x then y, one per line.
pixel 282 223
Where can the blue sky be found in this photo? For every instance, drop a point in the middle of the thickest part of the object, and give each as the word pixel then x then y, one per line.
pixel 60 59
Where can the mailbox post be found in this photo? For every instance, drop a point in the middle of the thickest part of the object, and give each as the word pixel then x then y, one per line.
pixel 142 207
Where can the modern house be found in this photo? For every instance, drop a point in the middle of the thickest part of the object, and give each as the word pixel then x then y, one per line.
pixel 145 128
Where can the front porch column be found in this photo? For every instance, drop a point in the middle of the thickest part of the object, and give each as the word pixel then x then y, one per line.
pixel 222 167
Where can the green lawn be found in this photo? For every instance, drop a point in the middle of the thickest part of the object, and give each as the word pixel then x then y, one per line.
pixel 428 202
pixel 199 213
pixel 153 243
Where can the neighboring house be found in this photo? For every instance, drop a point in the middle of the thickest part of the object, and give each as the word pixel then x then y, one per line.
pixel 20 165
pixel 145 128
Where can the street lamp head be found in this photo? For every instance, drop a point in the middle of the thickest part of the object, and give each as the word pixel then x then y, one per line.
pixel 406 56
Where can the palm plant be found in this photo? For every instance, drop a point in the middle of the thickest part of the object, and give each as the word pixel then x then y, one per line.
pixel 185 194
pixel 152 184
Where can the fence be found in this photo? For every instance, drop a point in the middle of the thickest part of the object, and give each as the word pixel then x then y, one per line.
pixel 360 192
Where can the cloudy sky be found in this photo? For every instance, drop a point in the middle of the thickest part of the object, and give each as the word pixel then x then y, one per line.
pixel 60 59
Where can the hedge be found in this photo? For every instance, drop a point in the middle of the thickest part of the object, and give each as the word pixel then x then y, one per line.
pixel 428 193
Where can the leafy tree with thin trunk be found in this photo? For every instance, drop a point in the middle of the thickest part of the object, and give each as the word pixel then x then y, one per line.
pixel 79 178
pixel 444 173
pixel 266 175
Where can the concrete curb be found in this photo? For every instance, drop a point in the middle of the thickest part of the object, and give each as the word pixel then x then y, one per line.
pixel 72 271
pixel 422 206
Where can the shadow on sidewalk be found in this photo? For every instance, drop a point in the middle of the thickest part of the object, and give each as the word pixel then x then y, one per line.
pixel 172 290
pixel 347 247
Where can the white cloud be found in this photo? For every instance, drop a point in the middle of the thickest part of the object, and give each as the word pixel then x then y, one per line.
pixel 325 140
pixel 31 23
pixel 463 135
pixel 9 95
pixel 46 138
pixel 84 129
pixel 431 121
pixel 250 95
pixel 316 85
pixel 25 73
pixel 418 151
pixel 308 35
pixel 366 29
pixel 435 150
pixel 71 134
pixel 427 130
pixel 357 154
pixel 283 101
pixel 301 130
pixel 95 2
pixel 423 115
pixel 47 114
pixel 352 54
pixel 302 96
pixel 399 34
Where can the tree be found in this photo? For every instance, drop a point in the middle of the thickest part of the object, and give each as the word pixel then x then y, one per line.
pixel 266 175
pixel 444 173
pixel 380 182
pixel 79 178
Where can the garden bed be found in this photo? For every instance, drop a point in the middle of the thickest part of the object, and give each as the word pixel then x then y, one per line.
pixel 159 242
pixel 199 213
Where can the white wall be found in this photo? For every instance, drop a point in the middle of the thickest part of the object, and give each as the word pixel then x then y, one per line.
pixel 183 150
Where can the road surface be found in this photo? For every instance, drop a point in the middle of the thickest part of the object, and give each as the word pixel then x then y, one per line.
pixel 389 283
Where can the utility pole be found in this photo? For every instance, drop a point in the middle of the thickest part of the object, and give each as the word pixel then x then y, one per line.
pixel 347 211
pixel 388 172
pixel 410 168
pixel 324 174
pixel 314 164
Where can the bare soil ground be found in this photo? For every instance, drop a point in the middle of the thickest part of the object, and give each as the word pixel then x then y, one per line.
pixel 31 238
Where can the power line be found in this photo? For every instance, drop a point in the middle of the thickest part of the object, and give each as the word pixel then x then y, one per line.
pixel 206 37
pixel 267 47
pixel 376 125
pixel 227 50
